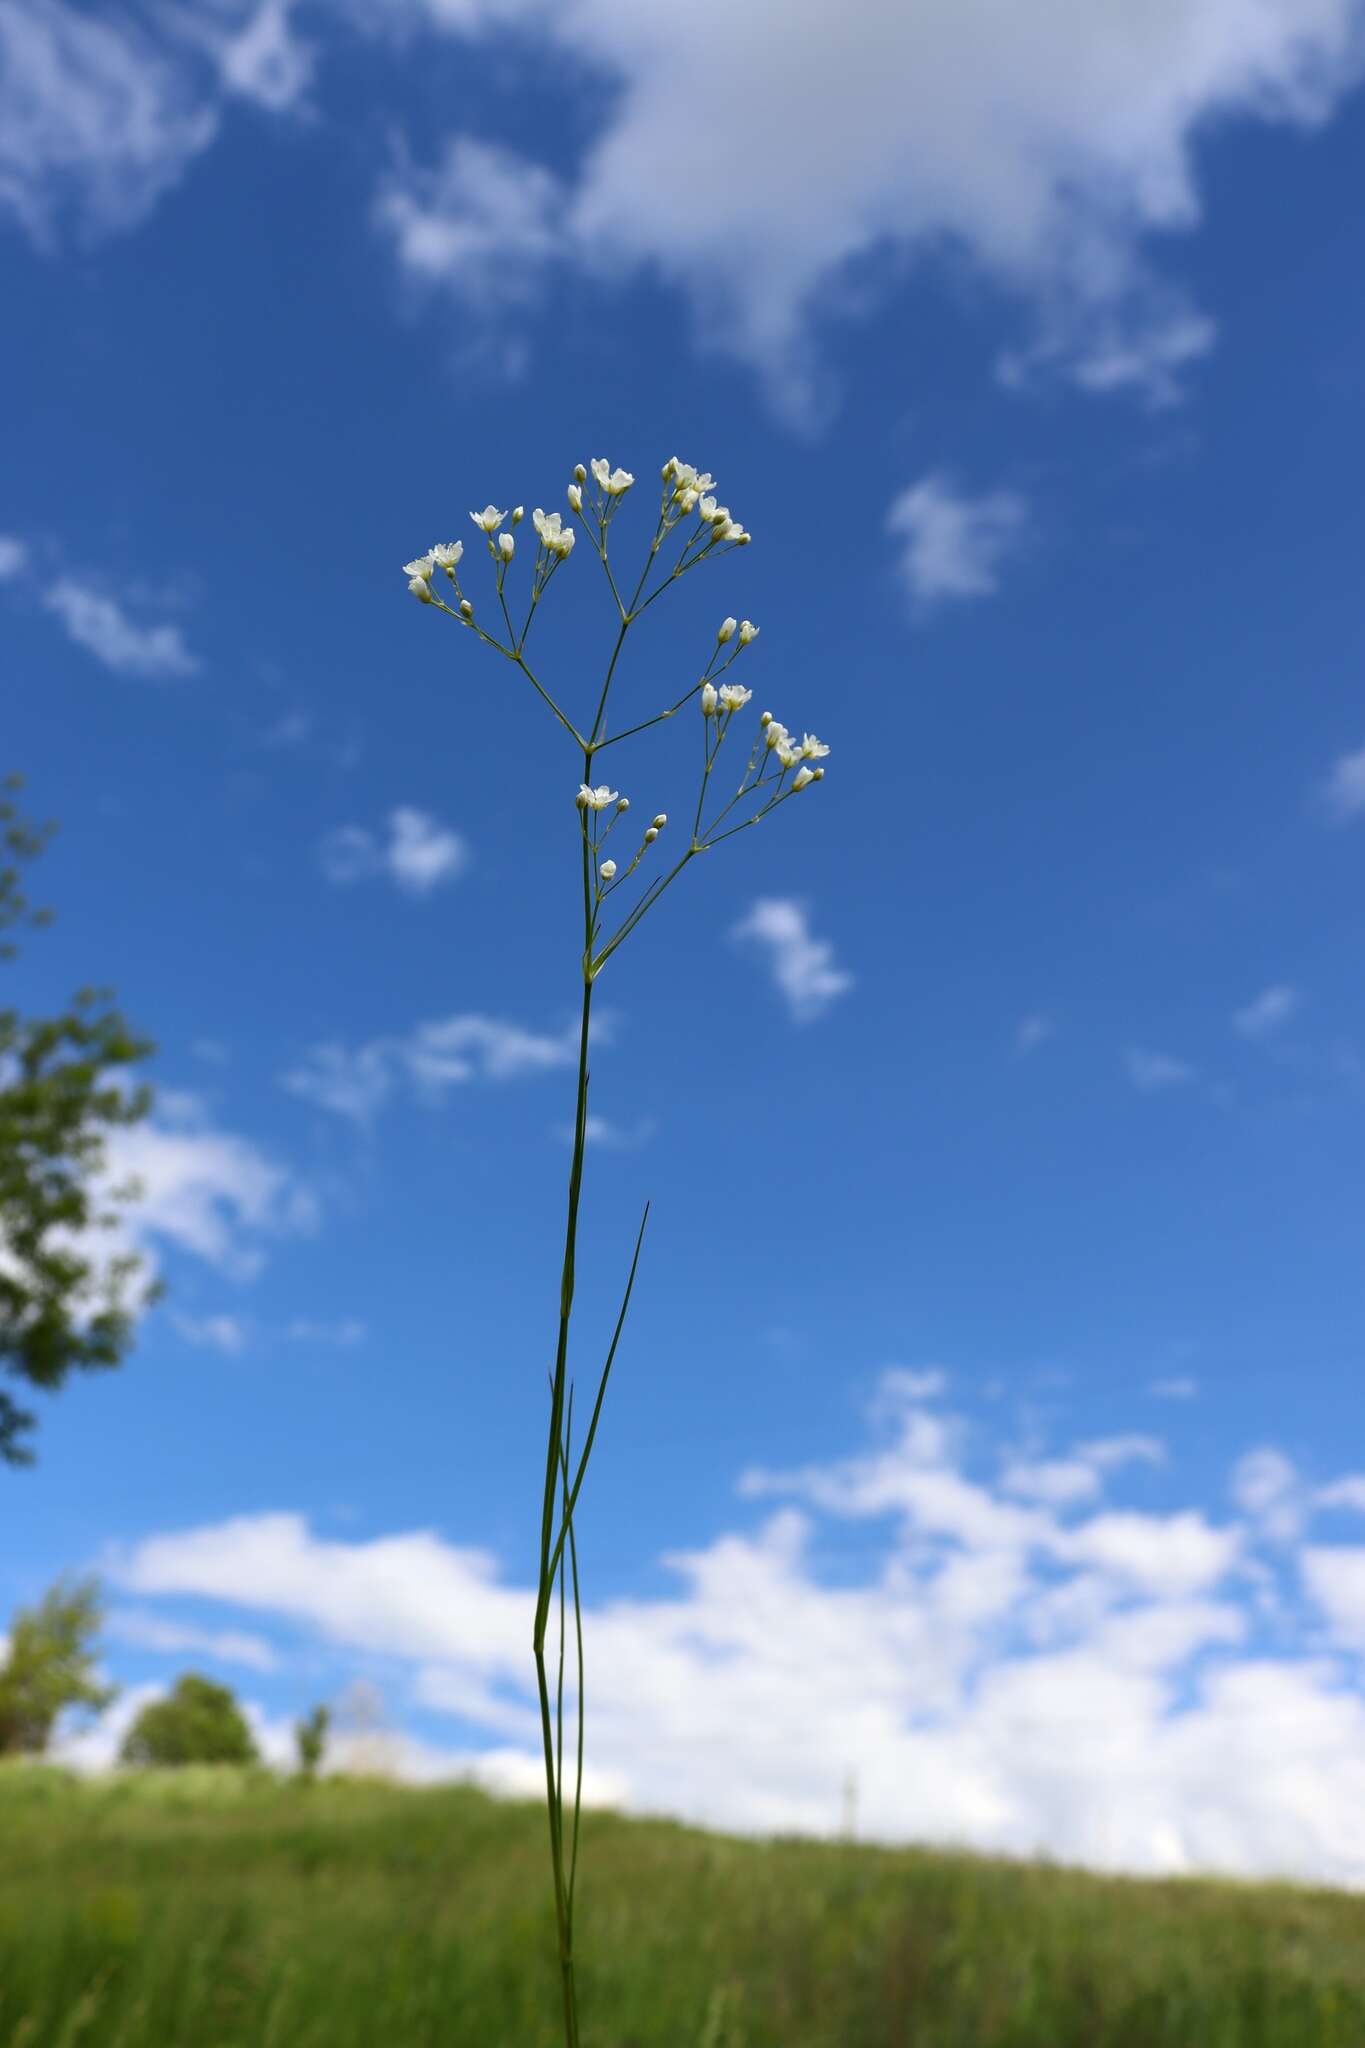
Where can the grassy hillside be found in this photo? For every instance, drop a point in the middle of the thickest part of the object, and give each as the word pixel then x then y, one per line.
pixel 220 1910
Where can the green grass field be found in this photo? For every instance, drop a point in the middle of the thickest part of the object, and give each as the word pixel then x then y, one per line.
pixel 223 1910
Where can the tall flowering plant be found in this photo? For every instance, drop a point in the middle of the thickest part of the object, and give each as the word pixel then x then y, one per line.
pixel 691 528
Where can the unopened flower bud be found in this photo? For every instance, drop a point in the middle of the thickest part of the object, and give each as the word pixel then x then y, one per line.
pixel 661 821
pixel 651 834
pixel 802 777
pixel 518 514
pixel 506 546
pixel 766 719
pixel 623 803
pixel 420 589
pixel 580 475
pixel 607 870
pixel 709 699
pixel 817 774
pixel 575 498
pixel 466 608
pixel 725 631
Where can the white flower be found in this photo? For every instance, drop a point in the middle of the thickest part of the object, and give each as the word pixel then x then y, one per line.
pixel 731 530
pixel 788 755
pixel 747 631
pixel 706 508
pixel 812 748
pixel 506 546
pixel 725 631
pixel 687 499
pixel 595 799
pixel 734 697
pixel 490 519
pixel 575 495
pixel 703 480
pixel 421 567
pixel 447 554
pixel 660 820
pixel 607 870
pixel 708 699
pixel 421 589
pixel 563 547
pixel 682 473
pixel 778 736
pixel 612 481
pixel 719 515
pixel 549 525
pixel 802 777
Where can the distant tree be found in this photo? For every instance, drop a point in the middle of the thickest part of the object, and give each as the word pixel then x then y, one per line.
pixel 63 1087
pixel 49 1664
pixel 310 1734
pixel 198 1722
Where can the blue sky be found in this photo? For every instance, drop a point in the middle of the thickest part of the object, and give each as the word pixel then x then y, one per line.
pixel 994 1367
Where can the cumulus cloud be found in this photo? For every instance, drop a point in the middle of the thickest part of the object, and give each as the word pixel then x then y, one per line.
pixel 1264 1015
pixel 418 853
pixel 1343 791
pixel 803 966
pixel 1070 1675
pixel 100 625
pixel 1045 144
pixel 447 1052
pixel 1153 1072
pixel 954 544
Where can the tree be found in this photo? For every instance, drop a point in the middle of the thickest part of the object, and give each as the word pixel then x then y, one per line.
pixel 310 1734
pixel 197 1722
pixel 65 1303
pixel 49 1665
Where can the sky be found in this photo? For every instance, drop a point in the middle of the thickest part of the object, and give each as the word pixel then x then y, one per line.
pixel 983 1455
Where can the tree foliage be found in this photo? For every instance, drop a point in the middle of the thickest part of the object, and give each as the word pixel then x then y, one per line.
pixel 49 1665
pixel 66 1304
pixel 310 1736
pixel 197 1722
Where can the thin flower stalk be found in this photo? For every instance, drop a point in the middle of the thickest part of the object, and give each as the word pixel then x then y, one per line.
pixel 690 528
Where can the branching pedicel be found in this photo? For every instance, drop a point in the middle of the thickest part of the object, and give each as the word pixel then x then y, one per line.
pixel 691 528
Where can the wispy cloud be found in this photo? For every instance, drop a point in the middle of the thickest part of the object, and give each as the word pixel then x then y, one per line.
pixel 447 1052
pixel 213 1332
pixel 802 966
pixel 954 544
pixel 1343 791
pixel 1153 1072
pixel 418 852
pixel 1267 1012
pixel 345 1331
pixel 13 557
pixel 145 1630
pixel 1178 1387
pixel 1034 1030
pixel 100 625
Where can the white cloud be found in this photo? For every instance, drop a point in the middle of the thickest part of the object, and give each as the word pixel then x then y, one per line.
pixel 1344 789
pixel 214 1333
pixel 149 1631
pixel 993 1674
pixel 1179 1387
pixel 1348 1493
pixel 446 1052
pixel 1046 144
pixel 803 966
pixel 1032 1031
pixel 1267 1488
pixel 954 544
pixel 1267 1012
pixel 1151 1072
pixel 346 1331
pixel 599 1130
pixel 103 628
pixel 482 225
pixel 13 557
pixel 418 854
pixel 206 1191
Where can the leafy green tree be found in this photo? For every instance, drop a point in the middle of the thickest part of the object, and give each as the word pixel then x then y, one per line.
pixel 198 1722
pixel 310 1735
pixel 49 1664
pixel 63 1088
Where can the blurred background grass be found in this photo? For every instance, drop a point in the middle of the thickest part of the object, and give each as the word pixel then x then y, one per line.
pixel 220 1908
